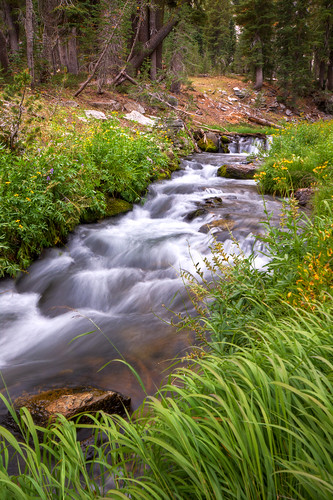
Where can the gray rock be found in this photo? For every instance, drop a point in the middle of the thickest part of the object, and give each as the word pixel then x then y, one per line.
pixel 288 112
pixel 97 115
pixel 111 104
pixel 72 104
pixel 241 93
pixel 134 106
pixel 135 116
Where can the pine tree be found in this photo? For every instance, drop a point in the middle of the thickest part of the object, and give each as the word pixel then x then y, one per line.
pixel 293 47
pixel 220 33
pixel 256 18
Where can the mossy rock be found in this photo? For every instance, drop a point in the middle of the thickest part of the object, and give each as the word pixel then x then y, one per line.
pixel 224 148
pixel 222 170
pixel 114 206
pixel 224 139
pixel 208 146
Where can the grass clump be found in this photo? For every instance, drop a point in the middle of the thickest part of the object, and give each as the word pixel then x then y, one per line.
pixel 301 156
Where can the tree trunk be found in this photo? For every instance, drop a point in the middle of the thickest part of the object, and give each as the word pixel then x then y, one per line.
pixel 73 65
pixel 259 78
pixel 135 62
pixel 12 26
pixel 159 49
pixel 330 73
pixel 4 63
pixel 29 30
pixel 176 68
pixel 322 71
pixel 152 32
pixel 63 55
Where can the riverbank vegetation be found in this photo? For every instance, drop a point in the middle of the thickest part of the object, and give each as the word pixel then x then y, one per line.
pixel 76 170
pixel 250 415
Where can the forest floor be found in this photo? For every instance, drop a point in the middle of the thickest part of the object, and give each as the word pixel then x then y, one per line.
pixel 215 101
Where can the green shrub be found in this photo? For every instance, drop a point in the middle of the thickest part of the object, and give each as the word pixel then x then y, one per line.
pixel 46 192
pixel 301 156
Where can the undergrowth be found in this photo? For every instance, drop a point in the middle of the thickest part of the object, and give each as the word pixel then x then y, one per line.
pixel 301 156
pixel 46 191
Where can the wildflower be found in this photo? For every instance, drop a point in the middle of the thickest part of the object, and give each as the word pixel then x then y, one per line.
pixel 8 182
pixel 18 220
pixel 28 199
pixel 51 170
pixel 16 194
pixel 20 226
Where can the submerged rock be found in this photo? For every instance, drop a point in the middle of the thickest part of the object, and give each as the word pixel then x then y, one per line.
pixel 217 226
pixel 237 171
pixel 71 402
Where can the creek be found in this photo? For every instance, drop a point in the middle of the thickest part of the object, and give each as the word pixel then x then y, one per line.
pixel 112 279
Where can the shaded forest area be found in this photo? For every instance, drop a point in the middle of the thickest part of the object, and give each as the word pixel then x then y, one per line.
pixel 116 40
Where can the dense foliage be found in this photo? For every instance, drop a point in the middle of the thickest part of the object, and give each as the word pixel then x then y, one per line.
pixel 249 415
pixel 82 175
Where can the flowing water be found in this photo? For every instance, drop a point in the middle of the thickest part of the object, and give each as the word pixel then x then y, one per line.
pixel 113 278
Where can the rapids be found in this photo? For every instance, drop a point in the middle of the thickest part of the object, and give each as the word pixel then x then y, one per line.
pixel 113 279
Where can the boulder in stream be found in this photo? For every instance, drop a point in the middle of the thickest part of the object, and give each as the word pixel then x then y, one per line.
pixel 71 402
pixel 237 171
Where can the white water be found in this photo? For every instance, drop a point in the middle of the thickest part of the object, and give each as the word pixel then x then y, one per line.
pixel 113 278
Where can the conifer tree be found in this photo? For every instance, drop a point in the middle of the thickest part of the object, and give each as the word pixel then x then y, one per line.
pixel 220 33
pixel 294 43
pixel 256 18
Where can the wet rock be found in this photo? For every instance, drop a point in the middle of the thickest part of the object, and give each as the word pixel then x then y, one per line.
pixel 71 402
pixel 134 106
pixel 217 226
pixel 195 214
pixel 204 207
pixel 304 196
pixel 237 171
pixel 98 115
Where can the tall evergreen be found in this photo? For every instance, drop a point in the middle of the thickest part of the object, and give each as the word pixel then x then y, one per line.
pixel 293 46
pixel 220 33
pixel 256 18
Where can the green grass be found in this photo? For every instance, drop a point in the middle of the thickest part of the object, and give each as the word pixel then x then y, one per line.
pixel 301 156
